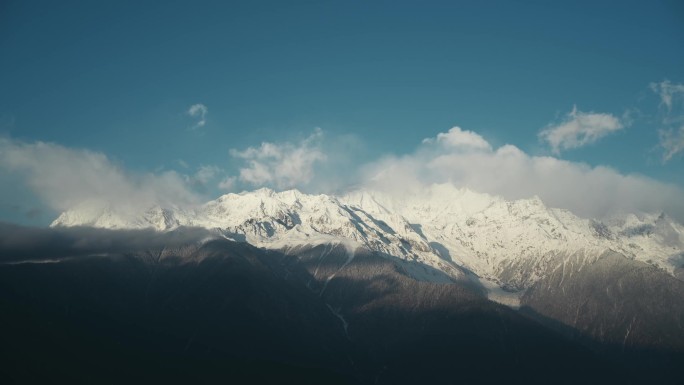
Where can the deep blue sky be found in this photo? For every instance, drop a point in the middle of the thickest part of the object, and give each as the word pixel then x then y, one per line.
pixel 118 77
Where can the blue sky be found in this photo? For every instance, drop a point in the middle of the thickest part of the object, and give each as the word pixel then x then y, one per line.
pixel 119 78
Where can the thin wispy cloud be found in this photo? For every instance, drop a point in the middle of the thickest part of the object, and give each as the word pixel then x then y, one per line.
pixel 671 142
pixel 227 184
pixel 199 111
pixel 206 173
pixel 283 165
pixel 579 129
pixel 183 163
pixel 669 93
pixel 204 177
pixel 671 134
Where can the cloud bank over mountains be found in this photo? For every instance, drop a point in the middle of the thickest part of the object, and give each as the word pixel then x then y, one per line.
pixel 19 244
pixel 510 172
pixel 64 177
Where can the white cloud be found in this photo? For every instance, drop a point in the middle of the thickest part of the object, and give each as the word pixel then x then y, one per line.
pixel 579 129
pixel 668 92
pixel 283 165
pixel 509 172
pixel 203 178
pixel 206 173
pixel 672 134
pixel 63 178
pixel 672 142
pixel 200 111
pixel 227 183
pixel 459 139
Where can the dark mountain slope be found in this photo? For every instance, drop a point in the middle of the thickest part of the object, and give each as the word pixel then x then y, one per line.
pixel 119 319
pixel 626 309
pixel 225 312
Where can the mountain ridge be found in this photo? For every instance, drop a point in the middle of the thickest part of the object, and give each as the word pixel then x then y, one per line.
pixel 506 246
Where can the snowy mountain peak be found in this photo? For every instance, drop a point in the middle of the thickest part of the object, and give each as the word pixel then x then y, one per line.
pixel 442 228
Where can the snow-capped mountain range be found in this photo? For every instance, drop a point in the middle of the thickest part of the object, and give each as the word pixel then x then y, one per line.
pixel 441 233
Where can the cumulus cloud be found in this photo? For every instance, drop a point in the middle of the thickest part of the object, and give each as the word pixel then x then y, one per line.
pixel 64 178
pixel 283 165
pixel 459 139
pixel 579 129
pixel 510 172
pixel 199 111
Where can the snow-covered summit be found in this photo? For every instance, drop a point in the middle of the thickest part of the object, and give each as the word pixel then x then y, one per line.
pixel 450 229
